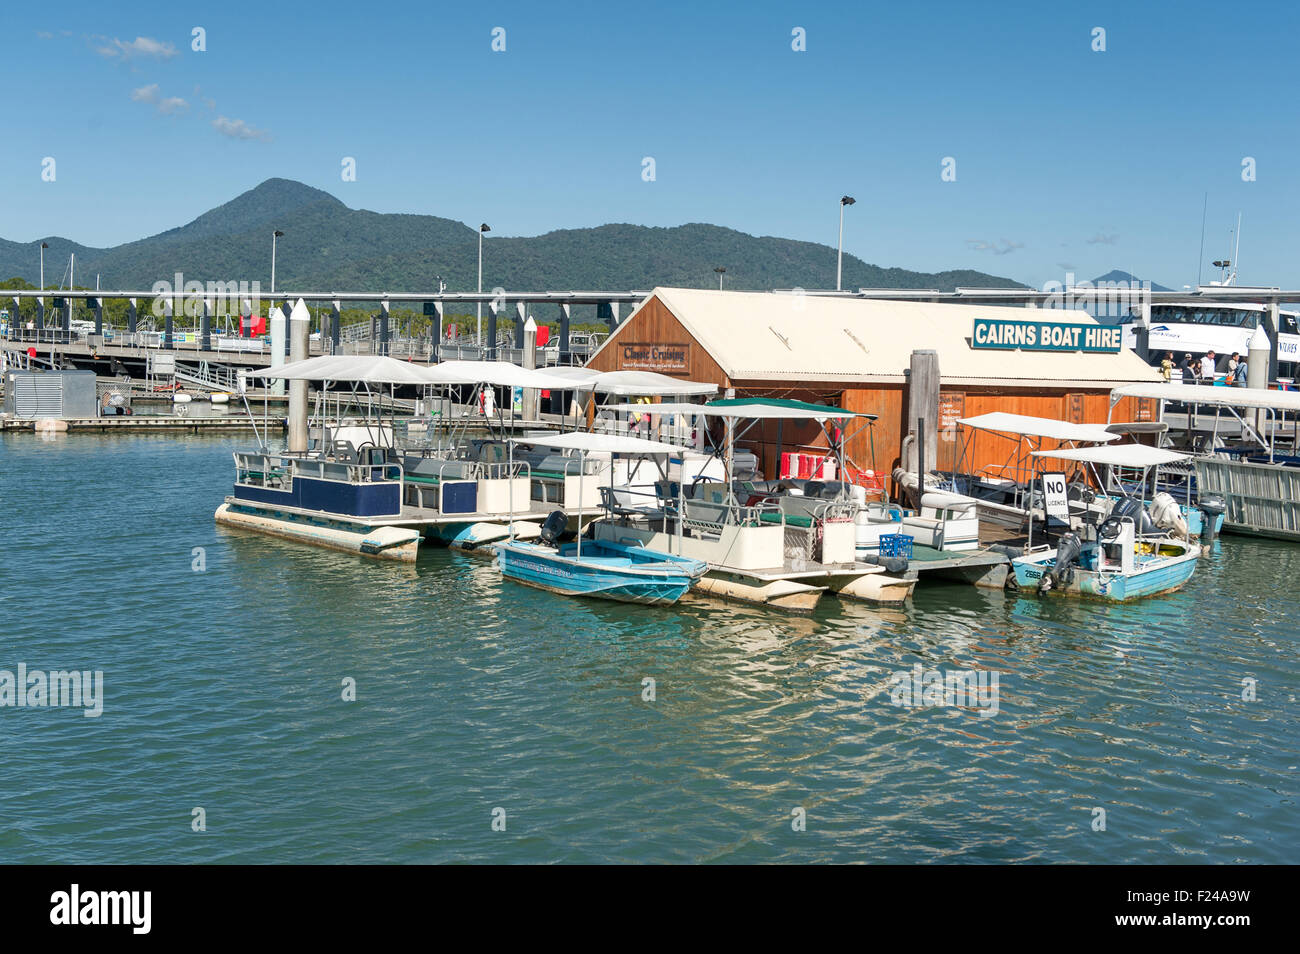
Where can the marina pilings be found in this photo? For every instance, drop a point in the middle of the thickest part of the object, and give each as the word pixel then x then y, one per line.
pixel 566 314
pixel 299 337
pixel 529 344
pixel 1271 325
pixel 923 404
pixel 205 325
pixel 277 329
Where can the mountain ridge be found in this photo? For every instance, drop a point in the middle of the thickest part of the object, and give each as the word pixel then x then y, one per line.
pixel 328 245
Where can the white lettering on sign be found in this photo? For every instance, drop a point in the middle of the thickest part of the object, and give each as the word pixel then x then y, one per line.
pixel 1056 501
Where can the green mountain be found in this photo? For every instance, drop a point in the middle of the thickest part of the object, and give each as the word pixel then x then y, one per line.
pixel 328 246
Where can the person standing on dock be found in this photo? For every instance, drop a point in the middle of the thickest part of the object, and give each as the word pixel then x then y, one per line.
pixel 1167 367
pixel 1187 369
pixel 1237 378
pixel 1207 368
pixel 1235 360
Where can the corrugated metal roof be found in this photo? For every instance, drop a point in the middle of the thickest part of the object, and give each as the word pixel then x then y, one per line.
pixel 760 336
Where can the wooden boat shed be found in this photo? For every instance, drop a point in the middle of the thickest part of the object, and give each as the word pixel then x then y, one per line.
pixel 859 354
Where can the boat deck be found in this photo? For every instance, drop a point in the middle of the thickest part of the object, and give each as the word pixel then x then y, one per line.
pixel 982 567
pixel 811 569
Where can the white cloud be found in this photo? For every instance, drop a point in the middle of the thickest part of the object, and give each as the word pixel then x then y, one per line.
pixel 1103 239
pixel 1004 247
pixel 141 46
pixel 238 129
pixel 170 106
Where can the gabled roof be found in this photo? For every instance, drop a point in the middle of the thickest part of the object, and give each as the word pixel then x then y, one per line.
pixel 773 336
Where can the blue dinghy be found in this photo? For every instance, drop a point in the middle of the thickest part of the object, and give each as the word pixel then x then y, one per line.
pixel 607 570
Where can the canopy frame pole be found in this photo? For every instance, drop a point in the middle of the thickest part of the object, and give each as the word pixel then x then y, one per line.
pixel 510 490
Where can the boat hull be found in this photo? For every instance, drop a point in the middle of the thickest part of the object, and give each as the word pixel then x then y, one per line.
pixel 874 587
pixel 547 569
pixel 786 595
pixel 383 543
pixel 1166 576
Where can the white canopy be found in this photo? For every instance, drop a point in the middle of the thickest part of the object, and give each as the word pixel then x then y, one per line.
pixel 1119 455
pixel 749 411
pixel 1027 426
pixel 581 378
pixel 631 383
pixel 601 443
pixel 636 383
pixel 1224 397
pixel 359 369
pixel 496 373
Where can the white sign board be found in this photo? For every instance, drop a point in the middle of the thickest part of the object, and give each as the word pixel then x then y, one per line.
pixel 1055 498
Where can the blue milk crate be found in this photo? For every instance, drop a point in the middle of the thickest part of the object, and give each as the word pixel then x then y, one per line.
pixel 896 545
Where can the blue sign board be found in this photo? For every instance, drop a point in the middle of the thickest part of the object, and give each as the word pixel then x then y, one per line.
pixel 1046 336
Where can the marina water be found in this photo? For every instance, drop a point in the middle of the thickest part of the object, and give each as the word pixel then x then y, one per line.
pixel 593 731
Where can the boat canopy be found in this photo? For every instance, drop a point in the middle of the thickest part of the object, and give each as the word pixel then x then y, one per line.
pixel 1224 397
pixel 751 408
pixel 1118 455
pixel 601 443
pixel 639 383
pixel 1027 426
pixel 355 369
pixel 631 383
pixel 581 378
pixel 495 373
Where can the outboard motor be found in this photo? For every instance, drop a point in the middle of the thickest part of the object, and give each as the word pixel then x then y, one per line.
pixel 1067 557
pixel 553 527
pixel 1169 516
pixel 1212 507
pixel 1132 508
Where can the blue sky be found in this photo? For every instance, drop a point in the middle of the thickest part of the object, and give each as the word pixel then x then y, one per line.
pixel 1065 157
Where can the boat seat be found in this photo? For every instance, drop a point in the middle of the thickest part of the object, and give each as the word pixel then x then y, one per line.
pixel 703 511
pixel 622 504
pixel 791 519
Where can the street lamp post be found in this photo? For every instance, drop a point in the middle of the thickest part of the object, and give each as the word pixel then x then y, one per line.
pixel 839 259
pixel 721 271
pixel 479 305
pixel 44 246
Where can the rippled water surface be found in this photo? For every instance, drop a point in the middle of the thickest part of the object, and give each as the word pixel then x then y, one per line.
pixel 223 691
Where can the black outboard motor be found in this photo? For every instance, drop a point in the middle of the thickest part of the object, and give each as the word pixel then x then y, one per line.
pixel 1067 557
pixel 1132 508
pixel 552 527
pixel 1212 507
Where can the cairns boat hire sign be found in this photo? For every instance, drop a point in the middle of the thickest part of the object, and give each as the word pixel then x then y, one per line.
pixel 1046 336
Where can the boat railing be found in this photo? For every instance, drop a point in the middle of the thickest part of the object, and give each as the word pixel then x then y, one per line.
pixel 279 470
